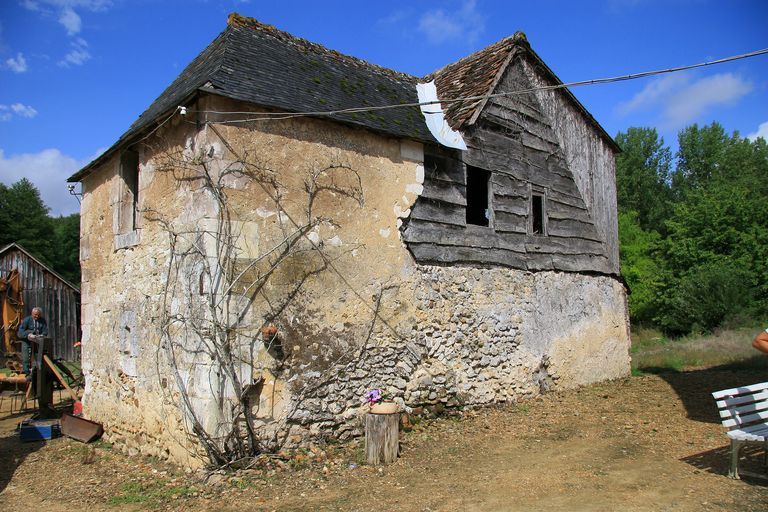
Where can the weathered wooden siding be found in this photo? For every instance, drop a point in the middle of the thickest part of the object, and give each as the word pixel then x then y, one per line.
pixel 59 301
pixel 589 156
pixel 513 139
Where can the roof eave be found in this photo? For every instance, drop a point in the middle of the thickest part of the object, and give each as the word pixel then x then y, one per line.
pixel 326 118
pixel 128 138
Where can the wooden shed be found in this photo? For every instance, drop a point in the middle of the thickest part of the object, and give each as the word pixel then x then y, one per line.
pixel 44 288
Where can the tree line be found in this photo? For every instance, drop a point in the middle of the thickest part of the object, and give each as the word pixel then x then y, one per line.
pixel 693 228
pixel 25 220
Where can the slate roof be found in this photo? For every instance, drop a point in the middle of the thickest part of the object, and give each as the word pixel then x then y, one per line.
pixel 257 63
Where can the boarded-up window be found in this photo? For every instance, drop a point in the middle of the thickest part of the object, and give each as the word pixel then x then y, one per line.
pixel 129 193
pixel 478 210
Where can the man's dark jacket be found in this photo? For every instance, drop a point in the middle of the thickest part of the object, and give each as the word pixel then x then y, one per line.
pixel 27 327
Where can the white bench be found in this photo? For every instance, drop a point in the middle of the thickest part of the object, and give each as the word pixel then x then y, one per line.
pixel 744 412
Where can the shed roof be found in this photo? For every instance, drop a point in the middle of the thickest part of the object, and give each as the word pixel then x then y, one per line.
pixel 256 63
pixel 48 269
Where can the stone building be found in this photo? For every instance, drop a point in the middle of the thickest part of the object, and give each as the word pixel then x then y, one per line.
pixel 261 246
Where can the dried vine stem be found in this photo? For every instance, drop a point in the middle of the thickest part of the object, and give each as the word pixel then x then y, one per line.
pixel 212 287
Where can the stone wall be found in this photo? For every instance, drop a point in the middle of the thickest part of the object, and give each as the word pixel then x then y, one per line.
pixel 448 335
pixel 481 336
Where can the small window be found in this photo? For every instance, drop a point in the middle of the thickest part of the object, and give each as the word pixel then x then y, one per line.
pixel 432 164
pixel 125 212
pixel 478 210
pixel 129 197
pixel 538 219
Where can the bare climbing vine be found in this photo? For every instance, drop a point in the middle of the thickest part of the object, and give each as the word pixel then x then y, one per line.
pixel 219 303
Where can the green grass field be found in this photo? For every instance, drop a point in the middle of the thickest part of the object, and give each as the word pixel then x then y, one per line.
pixel 652 352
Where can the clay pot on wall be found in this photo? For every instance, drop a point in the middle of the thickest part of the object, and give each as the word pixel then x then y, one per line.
pixel 384 408
pixel 268 332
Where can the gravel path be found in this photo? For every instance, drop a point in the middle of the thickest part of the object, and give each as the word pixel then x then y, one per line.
pixel 645 443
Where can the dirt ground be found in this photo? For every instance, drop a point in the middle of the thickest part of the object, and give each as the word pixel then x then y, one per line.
pixel 651 442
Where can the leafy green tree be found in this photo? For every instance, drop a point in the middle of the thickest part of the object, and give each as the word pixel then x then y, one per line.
pixel 25 220
pixel 700 156
pixel 643 177
pixel 716 245
pixel 640 267
pixel 66 231
pixel 706 296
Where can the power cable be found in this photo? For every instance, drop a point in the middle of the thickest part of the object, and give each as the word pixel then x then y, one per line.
pixel 273 116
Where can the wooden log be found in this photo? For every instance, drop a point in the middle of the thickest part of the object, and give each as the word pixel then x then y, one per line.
pixel 382 442
pixel 440 212
pixel 445 191
pixel 55 371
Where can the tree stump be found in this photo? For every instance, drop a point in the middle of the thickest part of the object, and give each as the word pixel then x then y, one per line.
pixel 382 443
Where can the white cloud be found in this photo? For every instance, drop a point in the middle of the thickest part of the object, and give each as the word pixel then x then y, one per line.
pixel 78 55
pixel 70 20
pixel 440 26
pixel 762 131
pixel 30 5
pixel 90 5
pixel 654 92
pixel 721 89
pixel 65 12
pixel 682 100
pixel 394 18
pixel 48 170
pixel 18 64
pixel 7 111
pixel 23 110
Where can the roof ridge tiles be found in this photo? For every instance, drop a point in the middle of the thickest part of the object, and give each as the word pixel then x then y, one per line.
pixel 236 20
pixel 503 44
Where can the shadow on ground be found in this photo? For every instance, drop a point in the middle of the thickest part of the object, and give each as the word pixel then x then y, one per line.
pixel 14 451
pixel 716 461
pixel 695 387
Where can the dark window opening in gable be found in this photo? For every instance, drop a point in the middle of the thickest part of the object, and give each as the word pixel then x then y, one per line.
pixel 478 209
pixel 129 172
pixel 431 166
pixel 537 214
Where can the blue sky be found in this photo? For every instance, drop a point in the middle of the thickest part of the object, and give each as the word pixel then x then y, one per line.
pixel 74 74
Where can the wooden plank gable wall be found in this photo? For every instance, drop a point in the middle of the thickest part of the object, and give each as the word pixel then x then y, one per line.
pixel 514 141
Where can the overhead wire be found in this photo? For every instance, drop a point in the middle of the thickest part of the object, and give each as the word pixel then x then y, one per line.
pixel 274 116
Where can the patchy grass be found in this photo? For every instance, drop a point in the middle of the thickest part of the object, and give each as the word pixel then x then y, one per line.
pixel 652 352
pixel 153 494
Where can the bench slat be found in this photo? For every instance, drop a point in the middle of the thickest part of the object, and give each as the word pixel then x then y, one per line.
pixel 744 410
pixel 739 400
pixel 740 391
pixel 760 429
pixel 742 435
pixel 746 420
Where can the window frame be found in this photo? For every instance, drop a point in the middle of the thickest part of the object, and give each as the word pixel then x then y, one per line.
pixel 126 214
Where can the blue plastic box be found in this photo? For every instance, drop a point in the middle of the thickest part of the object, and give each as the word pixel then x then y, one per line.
pixel 39 430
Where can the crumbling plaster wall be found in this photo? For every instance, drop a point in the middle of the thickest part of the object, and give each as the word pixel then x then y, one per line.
pixel 430 335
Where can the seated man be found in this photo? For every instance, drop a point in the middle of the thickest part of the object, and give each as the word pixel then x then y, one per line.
pixel 31 328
